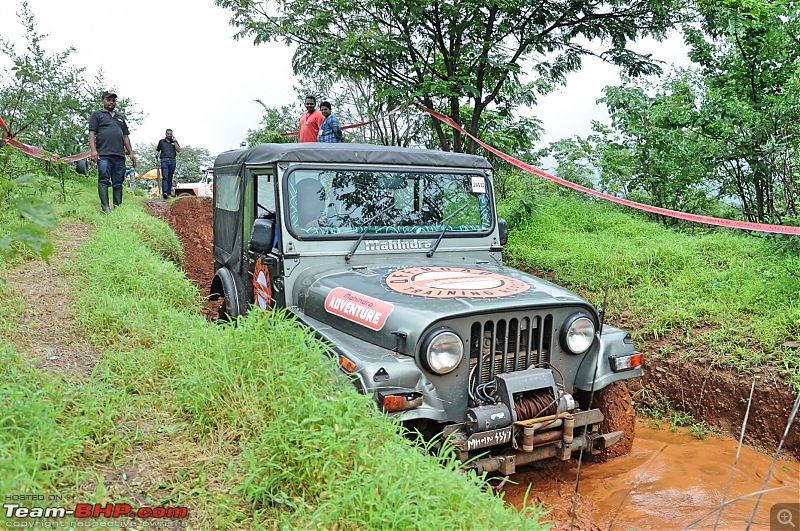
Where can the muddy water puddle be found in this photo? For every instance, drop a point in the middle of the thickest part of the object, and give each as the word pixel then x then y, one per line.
pixel 670 480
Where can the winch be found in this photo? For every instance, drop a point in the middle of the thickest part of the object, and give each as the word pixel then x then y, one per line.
pixel 521 395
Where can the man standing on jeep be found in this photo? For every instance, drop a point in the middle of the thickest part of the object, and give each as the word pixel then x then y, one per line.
pixel 167 149
pixel 310 121
pixel 330 131
pixel 108 143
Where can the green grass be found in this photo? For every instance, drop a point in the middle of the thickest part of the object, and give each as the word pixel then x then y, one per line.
pixel 728 297
pixel 247 425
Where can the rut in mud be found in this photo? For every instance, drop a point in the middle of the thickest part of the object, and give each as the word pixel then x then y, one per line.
pixel 668 480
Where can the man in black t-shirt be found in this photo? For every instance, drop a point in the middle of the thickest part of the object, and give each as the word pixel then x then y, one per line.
pixel 108 143
pixel 167 149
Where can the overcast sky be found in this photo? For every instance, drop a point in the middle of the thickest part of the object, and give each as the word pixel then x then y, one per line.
pixel 178 62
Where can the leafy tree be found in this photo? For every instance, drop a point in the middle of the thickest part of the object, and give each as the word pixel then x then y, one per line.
pixel 668 163
pixel 191 162
pixel 25 217
pixel 749 57
pixel 727 130
pixel 576 160
pixel 455 55
pixel 273 123
pixel 45 102
pixel 650 153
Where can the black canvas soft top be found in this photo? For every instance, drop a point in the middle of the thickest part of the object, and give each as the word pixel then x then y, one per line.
pixel 347 153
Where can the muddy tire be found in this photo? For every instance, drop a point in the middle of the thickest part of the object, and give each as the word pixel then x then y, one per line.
pixel 614 402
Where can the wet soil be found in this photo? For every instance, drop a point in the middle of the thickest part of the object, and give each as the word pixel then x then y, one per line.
pixel 719 397
pixel 668 480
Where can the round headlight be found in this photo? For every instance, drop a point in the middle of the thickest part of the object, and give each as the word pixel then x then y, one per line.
pixel 577 334
pixel 443 352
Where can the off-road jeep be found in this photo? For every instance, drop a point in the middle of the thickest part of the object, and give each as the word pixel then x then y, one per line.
pixel 392 256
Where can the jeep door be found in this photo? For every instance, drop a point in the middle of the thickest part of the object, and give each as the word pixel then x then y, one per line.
pixel 265 267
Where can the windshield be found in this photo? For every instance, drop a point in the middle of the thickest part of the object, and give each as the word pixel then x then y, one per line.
pixel 393 202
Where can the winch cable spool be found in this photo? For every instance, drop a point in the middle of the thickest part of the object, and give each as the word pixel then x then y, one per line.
pixel 591 399
pixel 536 404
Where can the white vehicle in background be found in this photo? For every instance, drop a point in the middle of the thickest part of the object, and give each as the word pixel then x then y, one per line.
pixel 202 188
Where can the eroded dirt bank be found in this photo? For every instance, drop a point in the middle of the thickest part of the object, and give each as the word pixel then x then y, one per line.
pixel 669 480
pixel 192 219
pixel 719 397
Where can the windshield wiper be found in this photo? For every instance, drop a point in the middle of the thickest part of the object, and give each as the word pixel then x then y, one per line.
pixel 349 255
pixel 445 220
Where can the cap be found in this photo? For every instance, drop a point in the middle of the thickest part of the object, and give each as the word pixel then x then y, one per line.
pixel 108 93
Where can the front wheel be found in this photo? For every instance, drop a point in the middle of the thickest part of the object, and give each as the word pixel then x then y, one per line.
pixel 614 402
pixel 225 290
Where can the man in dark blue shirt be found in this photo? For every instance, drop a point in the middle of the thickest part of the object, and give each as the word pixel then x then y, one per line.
pixel 167 149
pixel 108 143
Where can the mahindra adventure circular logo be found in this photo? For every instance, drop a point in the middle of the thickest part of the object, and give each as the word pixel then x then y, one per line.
pixel 453 282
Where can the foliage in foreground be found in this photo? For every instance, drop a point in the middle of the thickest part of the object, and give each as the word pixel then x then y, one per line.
pixel 732 299
pixel 246 425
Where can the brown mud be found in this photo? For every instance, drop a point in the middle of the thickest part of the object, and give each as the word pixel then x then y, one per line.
pixel 668 480
pixel 192 220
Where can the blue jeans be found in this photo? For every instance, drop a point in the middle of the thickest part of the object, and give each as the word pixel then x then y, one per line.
pixel 167 171
pixel 110 171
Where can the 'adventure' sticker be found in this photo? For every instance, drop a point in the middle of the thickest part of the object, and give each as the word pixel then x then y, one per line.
pixel 358 308
pixel 452 282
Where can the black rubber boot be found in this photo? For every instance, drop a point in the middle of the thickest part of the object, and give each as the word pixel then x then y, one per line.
pixel 103 193
pixel 117 196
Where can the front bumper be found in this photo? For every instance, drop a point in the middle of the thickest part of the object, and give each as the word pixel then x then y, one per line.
pixel 528 441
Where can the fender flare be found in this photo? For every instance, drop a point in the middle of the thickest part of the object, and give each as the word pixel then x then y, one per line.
pixel 612 342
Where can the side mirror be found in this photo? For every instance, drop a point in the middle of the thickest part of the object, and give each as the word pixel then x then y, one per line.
pixel 502 228
pixel 262 236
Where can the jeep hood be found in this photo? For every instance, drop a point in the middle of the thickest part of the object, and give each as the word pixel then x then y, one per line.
pixel 374 303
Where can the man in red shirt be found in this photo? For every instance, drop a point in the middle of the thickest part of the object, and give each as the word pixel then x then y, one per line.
pixel 310 121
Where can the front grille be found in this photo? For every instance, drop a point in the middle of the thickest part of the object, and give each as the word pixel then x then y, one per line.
pixel 508 345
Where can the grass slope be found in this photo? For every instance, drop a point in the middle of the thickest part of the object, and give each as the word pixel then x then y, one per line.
pixel 247 425
pixel 735 297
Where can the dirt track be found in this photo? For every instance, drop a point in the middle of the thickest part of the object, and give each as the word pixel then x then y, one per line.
pixel 710 394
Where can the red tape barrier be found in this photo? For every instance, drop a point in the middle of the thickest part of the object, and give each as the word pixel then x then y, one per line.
pixel 38 152
pixel 350 126
pixel 745 225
